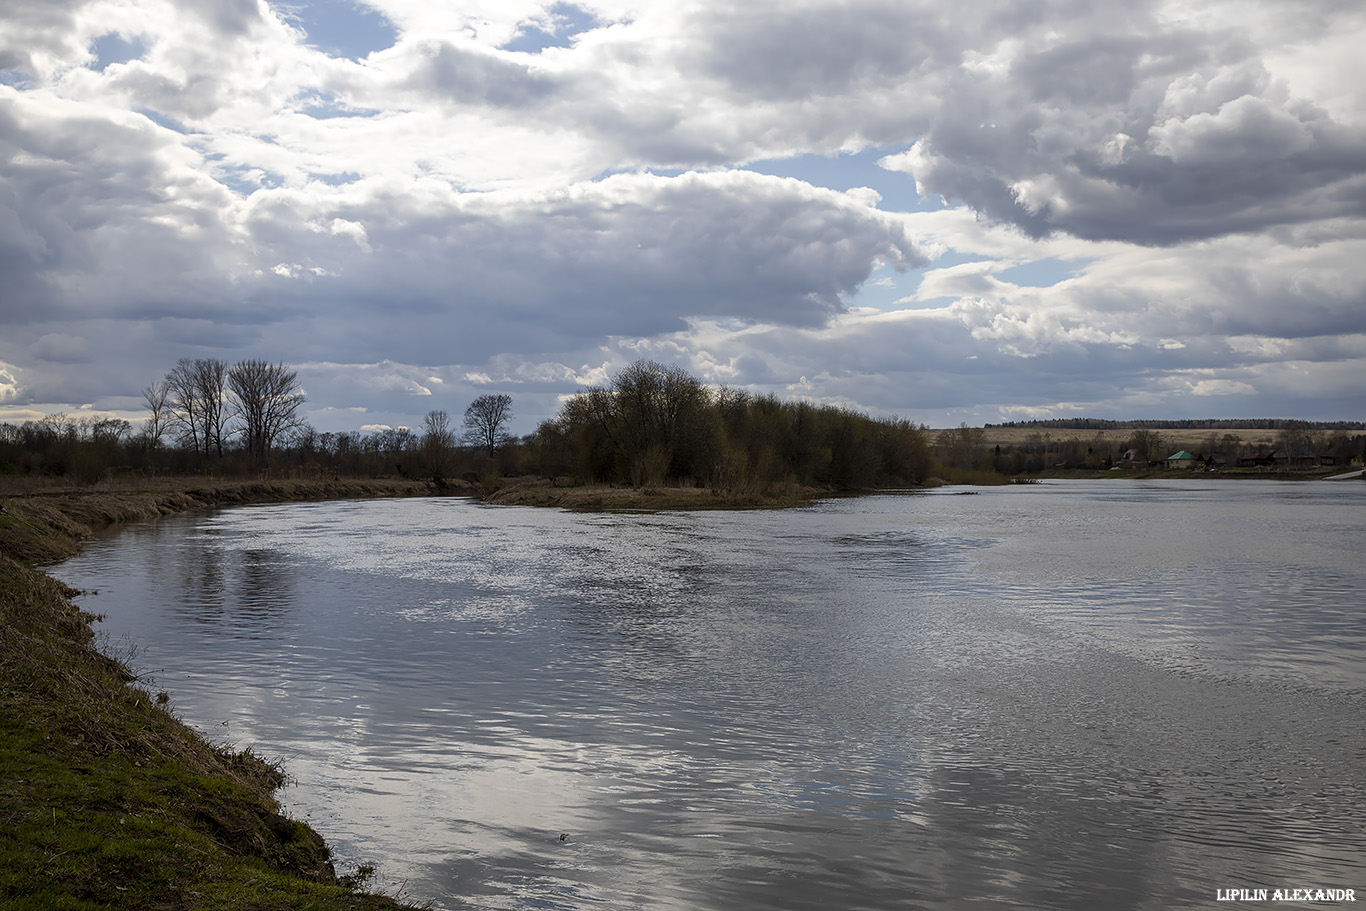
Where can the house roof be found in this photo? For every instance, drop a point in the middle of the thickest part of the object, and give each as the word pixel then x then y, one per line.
pixel 1183 454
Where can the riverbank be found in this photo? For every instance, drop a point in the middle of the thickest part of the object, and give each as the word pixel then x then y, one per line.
pixel 47 525
pixel 606 498
pixel 1177 474
pixel 106 799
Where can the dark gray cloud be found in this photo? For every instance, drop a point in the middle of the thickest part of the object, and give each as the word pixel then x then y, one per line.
pixel 475 76
pixel 100 216
pixel 431 280
pixel 1154 134
pixel 626 256
pixel 822 50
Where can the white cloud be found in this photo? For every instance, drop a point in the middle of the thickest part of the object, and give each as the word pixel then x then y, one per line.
pixel 1221 387
pixel 9 382
pixel 974 279
pixel 445 216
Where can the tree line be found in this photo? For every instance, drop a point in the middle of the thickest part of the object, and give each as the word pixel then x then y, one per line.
pixel 1297 444
pixel 1180 423
pixel 205 402
pixel 651 425
pixel 207 416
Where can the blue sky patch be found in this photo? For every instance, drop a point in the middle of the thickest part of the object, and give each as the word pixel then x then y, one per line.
pixel 844 171
pixel 343 28
pixel 111 49
pixel 1042 273
pixel 570 21
pixel 325 106
pixel 885 286
pixel 245 181
pixel 163 121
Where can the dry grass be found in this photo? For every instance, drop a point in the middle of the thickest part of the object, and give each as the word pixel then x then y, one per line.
pixel 25 486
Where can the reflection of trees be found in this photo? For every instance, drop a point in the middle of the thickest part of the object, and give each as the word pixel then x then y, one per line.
pixel 265 583
pixel 252 587
pixel 200 579
pixel 749 716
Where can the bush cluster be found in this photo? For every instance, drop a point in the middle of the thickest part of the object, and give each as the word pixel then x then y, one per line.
pixel 656 425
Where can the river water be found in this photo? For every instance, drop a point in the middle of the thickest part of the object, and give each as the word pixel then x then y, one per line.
pixel 1069 695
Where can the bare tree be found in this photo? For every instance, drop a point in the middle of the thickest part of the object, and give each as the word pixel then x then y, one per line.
pixel 964 446
pixel 109 432
pixel 184 401
pixel 438 442
pixel 1147 444
pixel 198 396
pixel 651 424
pixel 59 427
pixel 486 422
pixel 211 377
pixel 658 410
pixel 157 398
pixel 1232 446
pixel 266 400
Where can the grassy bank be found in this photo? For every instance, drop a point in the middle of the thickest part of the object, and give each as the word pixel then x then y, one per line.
pixel 107 800
pixel 607 498
pixel 43 525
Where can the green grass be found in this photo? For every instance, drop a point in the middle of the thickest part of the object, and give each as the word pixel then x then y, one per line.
pixel 107 801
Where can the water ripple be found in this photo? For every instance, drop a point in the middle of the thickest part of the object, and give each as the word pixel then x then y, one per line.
pixel 1055 696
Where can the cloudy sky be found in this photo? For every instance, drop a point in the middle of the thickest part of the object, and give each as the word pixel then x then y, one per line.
pixel 951 212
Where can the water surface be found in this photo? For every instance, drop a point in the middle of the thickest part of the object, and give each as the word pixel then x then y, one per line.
pixel 1067 695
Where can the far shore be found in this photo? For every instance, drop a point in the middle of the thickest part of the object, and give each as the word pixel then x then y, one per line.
pixel 1321 473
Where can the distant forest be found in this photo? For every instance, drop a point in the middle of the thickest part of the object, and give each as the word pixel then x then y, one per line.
pixel 1187 424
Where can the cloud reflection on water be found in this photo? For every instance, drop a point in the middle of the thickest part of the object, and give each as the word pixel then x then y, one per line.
pixel 884 702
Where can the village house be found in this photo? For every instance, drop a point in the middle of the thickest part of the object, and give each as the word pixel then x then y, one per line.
pixel 1182 459
pixel 1259 461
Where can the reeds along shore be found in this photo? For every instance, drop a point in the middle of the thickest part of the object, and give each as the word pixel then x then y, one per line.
pixel 106 799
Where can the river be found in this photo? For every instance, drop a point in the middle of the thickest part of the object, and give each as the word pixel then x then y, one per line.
pixel 1068 695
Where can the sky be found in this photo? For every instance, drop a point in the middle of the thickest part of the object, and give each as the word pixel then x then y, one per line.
pixel 952 213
